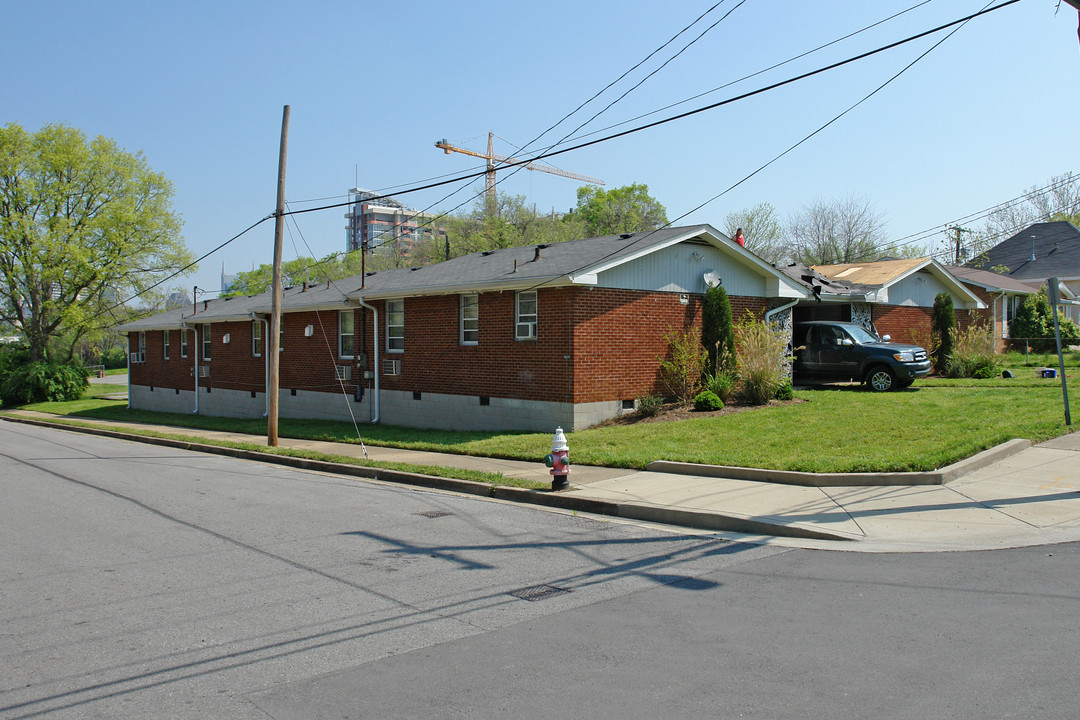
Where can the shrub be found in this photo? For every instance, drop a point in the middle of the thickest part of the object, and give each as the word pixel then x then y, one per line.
pixel 43 382
pixel 973 354
pixel 649 405
pixel 718 332
pixel 707 400
pixel 114 358
pixel 763 360
pixel 943 321
pixel 1033 325
pixel 723 384
pixel 785 392
pixel 680 371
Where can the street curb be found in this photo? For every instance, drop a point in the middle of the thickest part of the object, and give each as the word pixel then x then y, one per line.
pixel 790 477
pixel 634 511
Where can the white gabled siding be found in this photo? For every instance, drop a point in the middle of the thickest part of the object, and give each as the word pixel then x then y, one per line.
pixel 919 290
pixel 675 269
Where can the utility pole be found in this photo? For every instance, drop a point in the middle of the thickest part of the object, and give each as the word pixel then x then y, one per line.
pixel 273 344
pixel 957 229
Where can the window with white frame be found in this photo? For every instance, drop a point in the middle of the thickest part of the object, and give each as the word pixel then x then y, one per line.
pixel 165 344
pixel 470 319
pixel 395 326
pixel 142 347
pixel 256 338
pixel 525 315
pixel 206 342
pixel 183 342
pixel 346 333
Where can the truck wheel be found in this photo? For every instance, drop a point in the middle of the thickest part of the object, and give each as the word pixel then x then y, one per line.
pixel 880 379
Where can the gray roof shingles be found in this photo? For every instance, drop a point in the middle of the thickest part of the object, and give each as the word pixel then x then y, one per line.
pixel 1056 249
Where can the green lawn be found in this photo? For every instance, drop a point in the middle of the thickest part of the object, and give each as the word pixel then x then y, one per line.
pixel 842 429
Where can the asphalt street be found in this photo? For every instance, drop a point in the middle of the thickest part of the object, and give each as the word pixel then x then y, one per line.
pixel 141 581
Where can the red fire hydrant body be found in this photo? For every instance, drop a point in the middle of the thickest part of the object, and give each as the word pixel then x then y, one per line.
pixel 559 461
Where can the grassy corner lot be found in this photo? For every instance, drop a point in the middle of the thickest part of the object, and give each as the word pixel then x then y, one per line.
pixel 840 429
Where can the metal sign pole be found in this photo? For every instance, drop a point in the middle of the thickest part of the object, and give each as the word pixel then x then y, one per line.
pixel 1052 288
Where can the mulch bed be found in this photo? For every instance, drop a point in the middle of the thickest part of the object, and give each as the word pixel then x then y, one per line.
pixel 681 411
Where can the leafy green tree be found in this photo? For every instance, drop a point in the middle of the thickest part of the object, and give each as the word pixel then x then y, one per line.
pixel 293 272
pixel 1033 325
pixel 622 209
pixel 943 323
pixel 718 332
pixel 83 225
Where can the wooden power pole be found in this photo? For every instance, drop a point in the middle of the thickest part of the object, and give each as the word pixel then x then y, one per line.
pixel 273 344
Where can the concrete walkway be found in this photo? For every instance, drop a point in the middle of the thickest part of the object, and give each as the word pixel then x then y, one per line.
pixel 1020 496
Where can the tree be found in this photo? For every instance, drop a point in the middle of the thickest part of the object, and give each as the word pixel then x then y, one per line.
pixel 942 322
pixel 294 272
pixel 83 225
pixel 619 210
pixel 762 229
pixel 1033 325
pixel 836 232
pixel 1060 201
pixel 718 332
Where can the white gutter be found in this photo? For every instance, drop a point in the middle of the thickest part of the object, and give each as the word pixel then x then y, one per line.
pixel 769 315
pixel 375 365
pixel 127 346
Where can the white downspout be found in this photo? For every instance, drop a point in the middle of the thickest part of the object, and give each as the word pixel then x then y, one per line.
pixel 1004 322
pixel 375 365
pixel 195 345
pixel 266 360
pixel 127 346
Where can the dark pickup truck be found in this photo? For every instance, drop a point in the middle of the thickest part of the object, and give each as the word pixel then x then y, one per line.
pixel 843 351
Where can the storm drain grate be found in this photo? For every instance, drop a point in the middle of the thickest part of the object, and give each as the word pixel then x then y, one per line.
pixel 537 592
pixel 435 513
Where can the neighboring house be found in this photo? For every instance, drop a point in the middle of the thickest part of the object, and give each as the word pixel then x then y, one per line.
pixel 1002 295
pixel 890 297
pixel 1039 252
pixel 525 338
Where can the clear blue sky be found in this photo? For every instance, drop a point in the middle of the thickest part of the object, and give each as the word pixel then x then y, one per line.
pixel 199 88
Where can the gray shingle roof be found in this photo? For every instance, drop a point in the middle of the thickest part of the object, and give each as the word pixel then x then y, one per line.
pixel 992 281
pixel 1056 247
pixel 505 269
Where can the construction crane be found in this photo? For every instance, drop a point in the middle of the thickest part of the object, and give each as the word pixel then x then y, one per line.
pixel 492 157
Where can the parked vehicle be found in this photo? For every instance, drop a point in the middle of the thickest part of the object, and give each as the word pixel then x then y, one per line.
pixel 842 351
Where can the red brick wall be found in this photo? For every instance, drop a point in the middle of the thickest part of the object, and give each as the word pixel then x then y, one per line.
pixel 907 324
pixel 620 334
pixel 306 363
pixel 610 355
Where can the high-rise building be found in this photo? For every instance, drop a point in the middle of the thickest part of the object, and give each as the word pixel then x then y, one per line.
pixel 386 225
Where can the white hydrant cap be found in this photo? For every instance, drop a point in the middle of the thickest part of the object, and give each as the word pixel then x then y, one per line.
pixel 559 441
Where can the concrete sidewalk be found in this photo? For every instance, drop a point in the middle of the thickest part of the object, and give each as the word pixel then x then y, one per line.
pixel 1028 495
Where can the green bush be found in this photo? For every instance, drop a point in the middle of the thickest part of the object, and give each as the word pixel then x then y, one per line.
pixel 680 371
pixel 114 358
pixel 649 405
pixel 706 401
pixel 943 323
pixel 1033 325
pixel 973 355
pixel 42 382
pixel 718 332
pixel 785 392
pixel 723 384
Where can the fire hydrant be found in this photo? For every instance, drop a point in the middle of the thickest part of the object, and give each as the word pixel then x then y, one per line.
pixel 559 461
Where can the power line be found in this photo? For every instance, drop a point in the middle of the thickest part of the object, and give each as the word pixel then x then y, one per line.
pixel 689 113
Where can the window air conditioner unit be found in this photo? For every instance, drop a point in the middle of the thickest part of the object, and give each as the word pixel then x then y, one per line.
pixel 137 357
pixel 391 367
pixel 204 371
pixel 344 372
